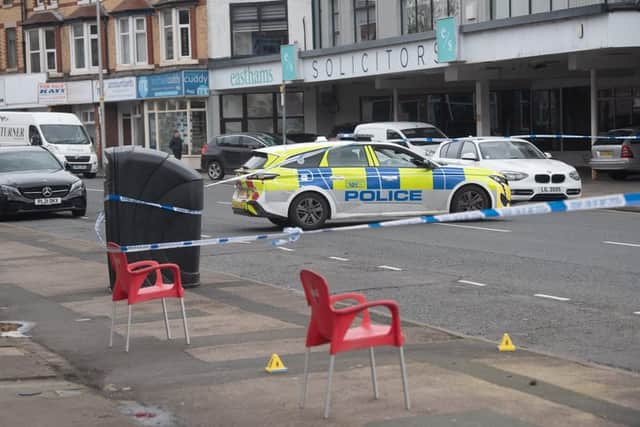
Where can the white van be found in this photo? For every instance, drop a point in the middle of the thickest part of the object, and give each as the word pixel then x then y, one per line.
pixel 61 133
pixel 416 136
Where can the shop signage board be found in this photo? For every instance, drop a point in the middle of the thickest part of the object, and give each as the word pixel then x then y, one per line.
pixel 121 89
pixel 165 85
pixel 80 92
pixel 52 93
pixel 447 39
pixel 289 60
pixel 267 74
pixel 195 83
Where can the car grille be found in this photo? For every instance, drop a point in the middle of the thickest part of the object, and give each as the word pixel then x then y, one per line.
pixel 543 178
pixel 573 191
pixel 36 192
pixel 82 159
pixel 546 197
pixel 522 192
pixel 557 178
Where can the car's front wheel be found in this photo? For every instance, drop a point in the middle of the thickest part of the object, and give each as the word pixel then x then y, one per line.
pixel 470 198
pixel 309 211
pixel 215 170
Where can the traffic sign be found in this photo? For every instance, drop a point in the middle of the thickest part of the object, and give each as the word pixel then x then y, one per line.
pixel 447 39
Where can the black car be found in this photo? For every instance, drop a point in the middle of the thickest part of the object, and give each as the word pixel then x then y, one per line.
pixel 33 180
pixel 226 153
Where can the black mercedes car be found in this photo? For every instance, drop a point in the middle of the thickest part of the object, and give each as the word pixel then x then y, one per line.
pixel 33 180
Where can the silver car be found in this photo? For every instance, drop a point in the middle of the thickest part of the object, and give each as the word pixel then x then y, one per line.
pixel 617 157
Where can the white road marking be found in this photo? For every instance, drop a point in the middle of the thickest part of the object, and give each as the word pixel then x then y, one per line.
pixel 224 203
pixel 84 217
pixel 83 319
pixel 633 245
pixel 388 267
pixel 473 227
pixel 206 236
pixel 95 189
pixel 469 282
pixel 636 312
pixel 286 249
pixel 551 297
pixel 337 258
pixel 244 243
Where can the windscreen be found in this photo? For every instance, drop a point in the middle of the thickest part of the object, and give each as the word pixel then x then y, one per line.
pixel 492 150
pixel 18 161
pixel 270 139
pixel 65 134
pixel 418 133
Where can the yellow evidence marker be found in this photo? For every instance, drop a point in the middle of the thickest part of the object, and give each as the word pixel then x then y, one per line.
pixel 506 344
pixel 275 365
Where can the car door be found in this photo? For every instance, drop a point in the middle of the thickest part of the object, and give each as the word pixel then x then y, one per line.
pixel 400 182
pixel 467 153
pixel 248 144
pixel 449 153
pixel 231 151
pixel 345 169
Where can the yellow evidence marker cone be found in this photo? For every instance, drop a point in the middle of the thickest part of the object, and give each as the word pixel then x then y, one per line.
pixel 506 344
pixel 275 365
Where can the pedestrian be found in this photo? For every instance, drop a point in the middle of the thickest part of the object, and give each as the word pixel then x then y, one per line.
pixel 176 144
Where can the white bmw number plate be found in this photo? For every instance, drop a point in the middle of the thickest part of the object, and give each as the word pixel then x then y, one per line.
pixel 551 189
pixel 48 202
pixel 78 167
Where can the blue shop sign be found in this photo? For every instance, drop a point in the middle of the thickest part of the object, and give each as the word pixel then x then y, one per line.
pixel 160 85
pixel 196 83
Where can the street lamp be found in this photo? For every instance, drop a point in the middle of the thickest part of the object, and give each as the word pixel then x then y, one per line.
pixel 101 114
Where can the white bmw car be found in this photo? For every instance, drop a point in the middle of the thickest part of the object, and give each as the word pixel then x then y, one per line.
pixel 532 174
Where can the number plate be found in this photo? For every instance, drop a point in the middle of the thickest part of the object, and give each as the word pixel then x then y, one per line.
pixel 48 202
pixel 551 189
pixel 606 153
pixel 78 167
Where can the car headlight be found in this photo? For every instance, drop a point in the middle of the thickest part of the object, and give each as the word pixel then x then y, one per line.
pixel 574 175
pixel 8 190
pixel 499 179
pixel 514 175
pixel 77 186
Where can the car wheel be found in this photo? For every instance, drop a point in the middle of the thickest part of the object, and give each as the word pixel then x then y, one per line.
pixel 79 212
pixel 279 222
pixel 309 211
pixel 214 170
pixel 618 176
pixel 89 175
pixel 470 198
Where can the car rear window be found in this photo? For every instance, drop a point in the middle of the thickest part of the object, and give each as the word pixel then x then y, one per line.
pixel 305 161
pixel 423 133
pixel 613 133
pixel 256 161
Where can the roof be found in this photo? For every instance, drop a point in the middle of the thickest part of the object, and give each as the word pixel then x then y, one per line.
pixel 46 17
pixel 132 6
pixel 86 12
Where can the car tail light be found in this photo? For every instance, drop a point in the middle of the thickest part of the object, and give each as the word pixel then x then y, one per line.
pixel 626 152
pixel 203 150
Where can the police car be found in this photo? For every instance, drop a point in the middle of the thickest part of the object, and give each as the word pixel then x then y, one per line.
pixel 305 185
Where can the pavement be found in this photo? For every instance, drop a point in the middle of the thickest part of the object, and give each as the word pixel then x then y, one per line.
pixel 64 373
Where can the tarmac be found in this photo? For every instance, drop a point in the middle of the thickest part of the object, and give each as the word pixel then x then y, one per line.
pixel 64 374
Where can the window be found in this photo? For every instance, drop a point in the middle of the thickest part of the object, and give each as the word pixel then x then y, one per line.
pixel 391 134
pixel 132 40
pixel 84 46
pixel 364 20
pixel 335 22
pixel 469 148
pixel 258 29
pixel 41 50
pixel 396 157
pixel 10 37
pixel 349 156
pixel 416 16
pixel 451 150
pixel 261 112
pixel 175 28
pixel 189 117
pixel 7 3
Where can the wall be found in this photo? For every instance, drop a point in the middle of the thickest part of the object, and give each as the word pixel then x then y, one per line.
pixel 10 18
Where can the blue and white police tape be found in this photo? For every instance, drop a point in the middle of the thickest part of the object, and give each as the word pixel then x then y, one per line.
pixel 125 199
pixel 293 234
pixel 562 136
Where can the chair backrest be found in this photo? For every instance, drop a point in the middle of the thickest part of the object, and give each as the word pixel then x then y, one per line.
pixel 119 264
pixel 316 291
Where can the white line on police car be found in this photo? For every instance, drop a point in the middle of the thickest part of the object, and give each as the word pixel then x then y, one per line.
pixel 633 245
pixel 388 267
pixel 469 282
pixel 206 236
pixel 551 297
pixel 473 227
pixel 337 258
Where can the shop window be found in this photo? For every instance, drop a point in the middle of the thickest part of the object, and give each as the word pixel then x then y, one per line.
pixel 175 34
pixel 364 20
pixel 10 37
pixel 261 112
pixel 258 29
pixel 376 109
pixel 187 117
pixel 132 40
pixel 84 46
pixel 416 16
pixel 41 47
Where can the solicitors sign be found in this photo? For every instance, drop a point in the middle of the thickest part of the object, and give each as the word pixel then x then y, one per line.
pixel 371 62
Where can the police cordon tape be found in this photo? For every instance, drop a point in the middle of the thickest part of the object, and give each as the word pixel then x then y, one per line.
pixel 293 234
pixel 124 199
pixel 351 137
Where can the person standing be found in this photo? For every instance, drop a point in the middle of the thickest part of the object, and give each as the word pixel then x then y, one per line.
pixel 176 144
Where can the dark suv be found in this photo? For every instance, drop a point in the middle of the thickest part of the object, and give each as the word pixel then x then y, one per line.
pixel 228 152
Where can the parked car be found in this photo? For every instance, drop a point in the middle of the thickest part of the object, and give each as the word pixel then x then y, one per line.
pixel 532 174
pixel 618 157
pixel 33 180
pixel 415 136
pixel 226 153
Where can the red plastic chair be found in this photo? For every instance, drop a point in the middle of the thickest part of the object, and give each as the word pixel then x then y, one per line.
pixel 333 325
pixel 128 286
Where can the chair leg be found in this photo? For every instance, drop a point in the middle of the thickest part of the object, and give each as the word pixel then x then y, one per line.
pixel 126 347
pixel 113 324
pixel 373 373
pixel 327 401
pixel 166 318
pixel 303 390
pixel 184 321
pixel 405 386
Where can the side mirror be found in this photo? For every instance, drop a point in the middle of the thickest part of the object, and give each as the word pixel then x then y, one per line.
pixel 547 155
pixel 470 156
pixel 67 166
pixel 423 163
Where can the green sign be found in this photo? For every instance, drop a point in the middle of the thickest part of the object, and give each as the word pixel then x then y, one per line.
pixel 289 59
pixel 447 39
